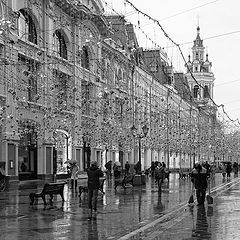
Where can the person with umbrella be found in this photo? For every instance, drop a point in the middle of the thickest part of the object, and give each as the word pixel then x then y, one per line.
pixel 74 169
pixel 199 178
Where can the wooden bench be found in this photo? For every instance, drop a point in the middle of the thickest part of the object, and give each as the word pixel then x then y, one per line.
pixel 48 189
pixel 124 181
pixel 85 188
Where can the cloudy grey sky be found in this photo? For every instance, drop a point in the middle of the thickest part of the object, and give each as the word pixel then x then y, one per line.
pixel 219 22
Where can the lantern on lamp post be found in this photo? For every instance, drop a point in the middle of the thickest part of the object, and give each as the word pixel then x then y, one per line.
pixel 143 133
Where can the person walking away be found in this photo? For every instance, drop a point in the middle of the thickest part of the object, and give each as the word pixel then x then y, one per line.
pixel 223 170
pixel 127 167
pixel 74 175
pixel 116 170
pixel 93 173
pixel 199 178
pixel 108 166
pixel 137 167
pixel 229 169
pixel 159 175
pixel 235 168
pixel 207 166
pixel 152 168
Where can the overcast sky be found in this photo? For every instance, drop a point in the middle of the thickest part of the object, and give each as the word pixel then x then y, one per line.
pixel 219 22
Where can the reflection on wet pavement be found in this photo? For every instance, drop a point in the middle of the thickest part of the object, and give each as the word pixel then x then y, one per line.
pixel 119 212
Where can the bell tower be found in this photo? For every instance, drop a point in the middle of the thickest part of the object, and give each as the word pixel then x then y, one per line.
pixel 202 86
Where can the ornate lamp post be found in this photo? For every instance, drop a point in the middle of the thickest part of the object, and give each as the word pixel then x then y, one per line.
pixel 142 134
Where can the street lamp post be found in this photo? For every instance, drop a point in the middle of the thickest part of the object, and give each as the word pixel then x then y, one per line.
pixel 140 136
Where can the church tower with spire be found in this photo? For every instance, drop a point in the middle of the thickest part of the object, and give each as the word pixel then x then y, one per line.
pixel 199 74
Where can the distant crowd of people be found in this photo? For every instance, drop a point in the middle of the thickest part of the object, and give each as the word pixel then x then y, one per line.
pixel 199 175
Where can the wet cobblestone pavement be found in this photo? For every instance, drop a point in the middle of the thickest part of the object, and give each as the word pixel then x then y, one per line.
pixel 134 213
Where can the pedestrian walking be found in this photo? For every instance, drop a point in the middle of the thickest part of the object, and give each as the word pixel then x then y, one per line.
pixel 235 168
pixel 74 175
pixel 137 167
pixel 108 166
pixel 159 175
pixel 223 170
pixel 229 170
pixel 153 166
pixel 207 166
pixel 127 167
pixel 117 170
pixel 94 173
pixel 199 178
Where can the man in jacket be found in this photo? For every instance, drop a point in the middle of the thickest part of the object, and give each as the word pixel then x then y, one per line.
pixel 159 175
pixel 199 178
pixel 94 173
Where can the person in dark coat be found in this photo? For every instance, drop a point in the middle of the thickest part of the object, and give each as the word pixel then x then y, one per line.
pixel 127 167
pixel 235 168
pixel 137 167
pixel 153 166
pixel 207 166
pixel 229 169
pixel 108 166
pixel 94 173
pixel 159 175
pixel 199 178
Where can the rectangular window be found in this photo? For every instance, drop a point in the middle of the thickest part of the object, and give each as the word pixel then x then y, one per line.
pixel 30 77
pixel 61 86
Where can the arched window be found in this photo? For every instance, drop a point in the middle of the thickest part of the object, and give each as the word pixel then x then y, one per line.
pixel 195 91
pixel 59 44
pixel 116 78
pixel 85 58
pixel 27 29
pixel 120 75
pixel 206 92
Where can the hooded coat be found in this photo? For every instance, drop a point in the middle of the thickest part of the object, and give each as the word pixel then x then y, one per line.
pixel 94 173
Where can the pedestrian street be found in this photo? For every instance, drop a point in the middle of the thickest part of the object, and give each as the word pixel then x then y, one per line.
pixel 120 212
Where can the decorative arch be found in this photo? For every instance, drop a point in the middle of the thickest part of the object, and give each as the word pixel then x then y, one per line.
pixel 60 44
pixel 89 37
pixel 195 91
pixel 27 29
pixel 206 92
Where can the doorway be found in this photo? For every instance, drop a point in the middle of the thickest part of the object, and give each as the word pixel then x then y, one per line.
pixel 27 154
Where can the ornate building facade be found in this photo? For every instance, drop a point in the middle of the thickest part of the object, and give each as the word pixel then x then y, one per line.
pixel 73 88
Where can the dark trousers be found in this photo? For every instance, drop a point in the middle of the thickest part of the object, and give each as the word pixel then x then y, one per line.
pixel 72 183
pixel 201 194
pixel 92 199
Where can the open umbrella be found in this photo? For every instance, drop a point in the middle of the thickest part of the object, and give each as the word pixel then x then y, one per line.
pixel 118 164
pixel 71 161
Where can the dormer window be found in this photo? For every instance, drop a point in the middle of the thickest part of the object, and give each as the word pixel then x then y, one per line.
pixel 195 91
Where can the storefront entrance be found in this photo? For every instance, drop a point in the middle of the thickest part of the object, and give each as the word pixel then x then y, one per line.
pixel 27 153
